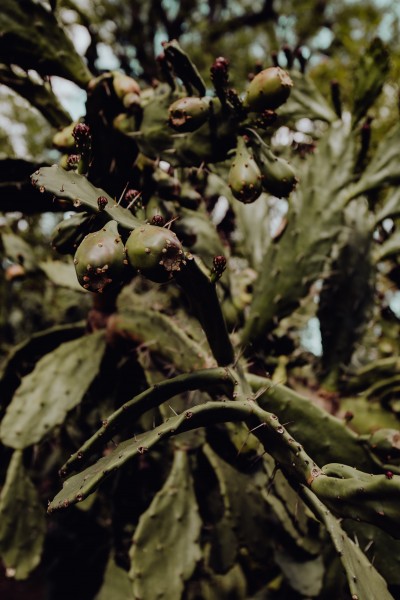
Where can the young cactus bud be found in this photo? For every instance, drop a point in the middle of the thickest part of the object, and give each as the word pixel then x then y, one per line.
pixel 268 90
pixel 100 260
pixel 154 251
pixel 102 202
pixel 82 137
pixel 244 177
pixel 123 85
pixel 188 114
pixel 278 176
pixel 219 266
pixel 158 220
pixel 73 161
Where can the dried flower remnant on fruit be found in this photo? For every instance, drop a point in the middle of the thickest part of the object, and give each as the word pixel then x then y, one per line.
pixel 158 221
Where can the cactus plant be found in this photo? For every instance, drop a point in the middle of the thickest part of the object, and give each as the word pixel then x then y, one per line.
pixel 181 414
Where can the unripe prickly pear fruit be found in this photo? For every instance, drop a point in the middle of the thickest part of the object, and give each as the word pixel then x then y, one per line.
pixel 268 90
pixel 188 114
pixel 386 444
pixel 278 176
pixel 131 102
pixel 244 177
pixel 123 85
pixel 64 140
pixel 100 261
pixel 154 251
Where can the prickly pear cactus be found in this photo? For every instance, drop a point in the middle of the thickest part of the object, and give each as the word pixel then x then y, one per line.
pixel 167 411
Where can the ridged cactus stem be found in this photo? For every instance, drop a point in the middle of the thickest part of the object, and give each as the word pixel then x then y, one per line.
pixel 218 378
pixel 202 295
pixel 335 442
pixel 364 581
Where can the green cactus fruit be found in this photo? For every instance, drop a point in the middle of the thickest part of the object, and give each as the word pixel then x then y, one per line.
pixel 131 102
pixel 268 90
pixel 244 177
pixel 123 85
pixel 154 251
pixel 386 444
pixel 124 122
pixel 68 234
pixel 100 261
pixel 278 176
pixel 188 114
pixel 63 139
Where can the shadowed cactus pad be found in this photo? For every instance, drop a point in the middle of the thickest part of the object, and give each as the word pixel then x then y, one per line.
pixel 154 251
pixel 99 260
pixel 268 90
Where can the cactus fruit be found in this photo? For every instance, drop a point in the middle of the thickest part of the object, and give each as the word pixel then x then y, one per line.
pixel 123 85
pixel 268 90
pixel 245 176
pixel 68 234
pixel 278 176
pixel 64 140
pixel 188 114
pixel 386 444
pixel 99 260
pixel 154 251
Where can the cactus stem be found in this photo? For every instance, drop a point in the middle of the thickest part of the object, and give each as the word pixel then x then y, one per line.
pixel 150 398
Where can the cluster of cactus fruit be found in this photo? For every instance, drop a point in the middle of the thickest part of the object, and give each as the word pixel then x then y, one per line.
pixel 244 497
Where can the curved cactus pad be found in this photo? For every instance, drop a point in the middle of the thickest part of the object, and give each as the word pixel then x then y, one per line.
pixel 364 580
pixel 165 547
pixel 22 521
pixel 56 385
pixel 76 188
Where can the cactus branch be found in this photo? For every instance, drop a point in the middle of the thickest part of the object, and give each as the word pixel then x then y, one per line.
pixel 364 581
pixel 150 398
pixel 205 304
pixel 277 441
